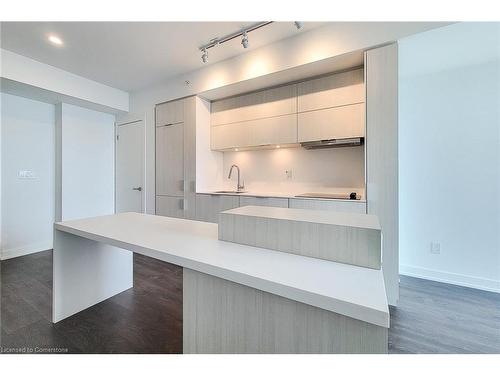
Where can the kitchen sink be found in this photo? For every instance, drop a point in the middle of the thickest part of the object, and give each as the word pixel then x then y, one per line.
pixel 229 192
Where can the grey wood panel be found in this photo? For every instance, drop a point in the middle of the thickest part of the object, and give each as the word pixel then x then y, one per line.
pixel 328 205
pixel 208 206
pixel 220 316
pixel 339 122
pixel 190 157
pixel 263 201
pixel 343 244
pixel 272 102
pixel 170 160
pixel 170 206
pixel 170 113
pixel 331 91
pixel 382 155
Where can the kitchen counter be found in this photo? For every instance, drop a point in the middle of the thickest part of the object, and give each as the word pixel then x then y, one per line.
pixel 269 194
pixel 83 268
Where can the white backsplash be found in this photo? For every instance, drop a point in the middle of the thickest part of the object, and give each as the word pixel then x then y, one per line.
pixel 327 170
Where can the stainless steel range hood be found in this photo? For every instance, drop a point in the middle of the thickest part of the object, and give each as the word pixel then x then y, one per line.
pixel 332 143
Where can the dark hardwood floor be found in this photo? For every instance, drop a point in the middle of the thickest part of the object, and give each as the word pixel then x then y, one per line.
pixel 431 317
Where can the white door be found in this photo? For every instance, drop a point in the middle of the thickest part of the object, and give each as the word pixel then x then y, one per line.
pixel 129 167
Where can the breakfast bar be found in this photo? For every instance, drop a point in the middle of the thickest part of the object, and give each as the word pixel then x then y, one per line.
pixel 236 298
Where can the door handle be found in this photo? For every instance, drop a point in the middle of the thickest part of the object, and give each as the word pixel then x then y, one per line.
pixel 137 188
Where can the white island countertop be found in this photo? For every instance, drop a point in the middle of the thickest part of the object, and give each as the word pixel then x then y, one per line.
pixel 349 290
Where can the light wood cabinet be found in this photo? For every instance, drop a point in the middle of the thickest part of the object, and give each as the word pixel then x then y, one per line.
pixel 268 131
pixel 263 201
pixel 382 155
pixel 273 102
pixel 339 122
pixel 208 206
pixel 170 113
pixel 331 91
pixel 328 205
pixel 176 159
pixel 170 206
pixel 170 160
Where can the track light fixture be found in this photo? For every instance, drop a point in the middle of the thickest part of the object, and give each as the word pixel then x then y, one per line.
pixel 244 40
pixel 298 24
pixel 204 56
pixel 219 41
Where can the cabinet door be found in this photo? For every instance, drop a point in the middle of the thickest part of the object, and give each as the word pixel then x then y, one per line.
pixel 190 157
pixel 329 205
pixel 170 206
pixel 170 113
pixel 170 160
pixel 273 102
pixel 268 131
pixel 263 201
pixel 331 91
pixel 208 206
pixel 339 122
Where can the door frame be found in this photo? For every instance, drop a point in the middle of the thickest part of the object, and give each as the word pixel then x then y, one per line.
pixel 133 120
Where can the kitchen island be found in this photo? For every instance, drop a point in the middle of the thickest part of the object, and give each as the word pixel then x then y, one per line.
pixel 237 298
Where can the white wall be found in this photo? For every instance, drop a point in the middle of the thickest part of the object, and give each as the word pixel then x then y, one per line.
pixel 340 169
pixel 86 168
pixel 27 133
pixel 449 149
pixel 324 42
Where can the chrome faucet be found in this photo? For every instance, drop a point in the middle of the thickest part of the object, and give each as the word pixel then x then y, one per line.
pixel 240 185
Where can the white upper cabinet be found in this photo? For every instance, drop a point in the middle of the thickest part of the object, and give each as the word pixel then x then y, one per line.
pixel 262 132
pixel 323 108
pixel 273 102
pixel 332 107
pixel 331 91
pixel 170 113
pixel 332 123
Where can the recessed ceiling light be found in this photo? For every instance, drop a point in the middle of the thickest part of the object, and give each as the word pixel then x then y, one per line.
pixel 278 146
pixel 235 149
pixel 55 40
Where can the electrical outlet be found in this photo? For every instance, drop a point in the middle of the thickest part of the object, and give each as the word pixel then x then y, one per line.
pixel 435 248
pixel 26 175
pixel 288 173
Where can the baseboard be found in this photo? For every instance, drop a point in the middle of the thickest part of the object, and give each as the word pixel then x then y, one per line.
pixel 24 250
pixel 451 278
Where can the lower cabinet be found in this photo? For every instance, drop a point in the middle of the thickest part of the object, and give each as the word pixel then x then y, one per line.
pixel 263 201
pixel 170 206
pixel 329 205
pixel 208 206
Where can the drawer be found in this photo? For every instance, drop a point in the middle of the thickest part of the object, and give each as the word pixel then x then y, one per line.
pixel 263 201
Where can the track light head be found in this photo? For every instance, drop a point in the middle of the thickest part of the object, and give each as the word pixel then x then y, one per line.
pixel 244 40
pixel 298 24
pixel 204 56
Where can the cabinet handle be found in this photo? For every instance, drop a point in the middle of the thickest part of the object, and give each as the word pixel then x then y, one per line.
pixel 181 185
pixel 137 188
pixel 181 204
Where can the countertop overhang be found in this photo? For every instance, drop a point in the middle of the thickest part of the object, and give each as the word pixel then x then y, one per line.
pixel 353 291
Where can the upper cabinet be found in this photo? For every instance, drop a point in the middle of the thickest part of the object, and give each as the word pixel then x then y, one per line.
pixel 347 121
pixel 319 109
pixel 170 113
pixel 332 107
pixel 261 118
pixel 273 102
pixel 331 91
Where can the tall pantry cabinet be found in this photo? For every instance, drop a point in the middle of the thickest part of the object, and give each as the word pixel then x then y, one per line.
pixel 176 158
pixel 381 79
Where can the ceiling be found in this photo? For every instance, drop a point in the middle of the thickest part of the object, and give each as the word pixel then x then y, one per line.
pixel 134 55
